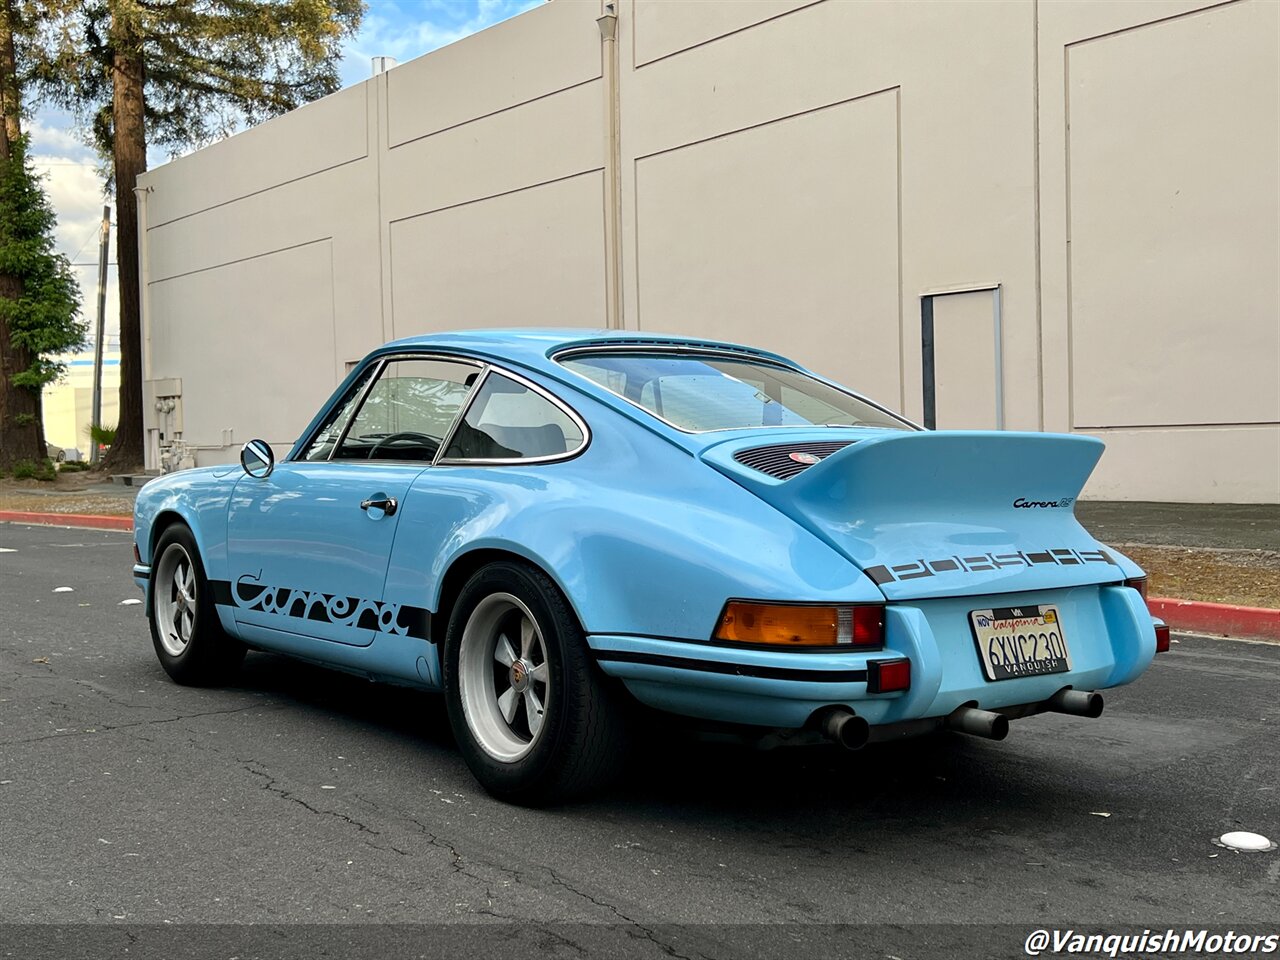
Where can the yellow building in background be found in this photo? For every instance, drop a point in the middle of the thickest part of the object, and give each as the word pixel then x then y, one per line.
pixel 68 403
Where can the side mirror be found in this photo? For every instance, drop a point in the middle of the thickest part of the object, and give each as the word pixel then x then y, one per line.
pixel 257 459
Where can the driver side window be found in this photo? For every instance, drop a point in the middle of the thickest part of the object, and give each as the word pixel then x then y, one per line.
pixel 408 411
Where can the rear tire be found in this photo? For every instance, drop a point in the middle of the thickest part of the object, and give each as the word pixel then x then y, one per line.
pixel 189 641
pixel 533 716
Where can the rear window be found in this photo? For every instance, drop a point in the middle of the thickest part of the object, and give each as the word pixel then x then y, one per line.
pixel 698 392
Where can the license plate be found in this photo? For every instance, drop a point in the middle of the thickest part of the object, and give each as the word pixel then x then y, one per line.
pixel 1020 641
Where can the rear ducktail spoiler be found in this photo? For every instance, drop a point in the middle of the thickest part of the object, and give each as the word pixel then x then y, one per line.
pixel 946 513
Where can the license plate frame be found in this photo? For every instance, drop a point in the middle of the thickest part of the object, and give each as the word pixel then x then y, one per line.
pixel 1017 642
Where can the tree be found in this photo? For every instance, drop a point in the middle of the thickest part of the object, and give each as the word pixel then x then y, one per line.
pixel 39 298
pixel 177 74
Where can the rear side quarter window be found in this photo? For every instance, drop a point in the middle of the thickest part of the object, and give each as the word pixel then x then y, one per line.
pixel 510 421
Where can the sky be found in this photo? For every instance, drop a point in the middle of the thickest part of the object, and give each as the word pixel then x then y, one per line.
pixel 402 29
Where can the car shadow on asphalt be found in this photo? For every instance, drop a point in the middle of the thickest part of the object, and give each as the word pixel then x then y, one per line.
pixel 675 772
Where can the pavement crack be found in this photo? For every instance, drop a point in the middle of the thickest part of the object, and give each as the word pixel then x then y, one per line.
pixel 638 930
pixel 252 767
pixel 88 685
pixel 96 728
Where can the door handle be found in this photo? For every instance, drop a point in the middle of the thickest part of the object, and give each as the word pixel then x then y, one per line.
pixel 380 501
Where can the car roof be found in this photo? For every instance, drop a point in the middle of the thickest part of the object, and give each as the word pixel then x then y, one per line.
pixel 534 346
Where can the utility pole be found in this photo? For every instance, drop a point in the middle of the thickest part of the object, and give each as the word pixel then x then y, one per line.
pixel 104 243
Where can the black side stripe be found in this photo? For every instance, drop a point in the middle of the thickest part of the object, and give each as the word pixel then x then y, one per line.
pixel 734 669
pixel 324 608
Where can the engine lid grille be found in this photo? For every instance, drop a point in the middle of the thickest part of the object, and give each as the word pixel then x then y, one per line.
pixel 777 461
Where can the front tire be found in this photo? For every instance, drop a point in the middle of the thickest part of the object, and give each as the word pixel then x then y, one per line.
pixel 532 714
pixel 189 641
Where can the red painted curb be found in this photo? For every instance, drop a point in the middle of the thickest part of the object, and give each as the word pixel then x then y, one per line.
pixel 1255 623
pixel 94 521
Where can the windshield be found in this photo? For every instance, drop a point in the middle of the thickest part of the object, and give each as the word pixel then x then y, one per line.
pixel 698 392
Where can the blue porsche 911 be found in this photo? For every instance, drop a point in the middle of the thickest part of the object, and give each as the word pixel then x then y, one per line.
pixel 551 525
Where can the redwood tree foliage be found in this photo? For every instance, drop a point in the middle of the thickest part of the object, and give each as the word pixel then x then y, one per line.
pixel 39 299
pixel 175 74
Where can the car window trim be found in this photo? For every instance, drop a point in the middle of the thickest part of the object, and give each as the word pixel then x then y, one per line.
pixel 739 355
pixel 462 414
pixel 382 363
pixel 364 394
pixel 541 391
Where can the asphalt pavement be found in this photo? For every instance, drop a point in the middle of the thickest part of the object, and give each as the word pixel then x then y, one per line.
pixel 338 816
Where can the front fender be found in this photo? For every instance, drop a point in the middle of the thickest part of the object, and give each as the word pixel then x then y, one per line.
pixel 199 498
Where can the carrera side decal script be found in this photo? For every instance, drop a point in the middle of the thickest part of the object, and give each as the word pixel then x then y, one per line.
pixel 249 593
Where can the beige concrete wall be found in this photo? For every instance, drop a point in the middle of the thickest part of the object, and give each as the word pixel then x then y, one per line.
pixel 1160 134
pixel 789 173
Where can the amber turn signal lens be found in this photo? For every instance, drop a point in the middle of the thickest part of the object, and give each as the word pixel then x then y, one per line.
pixel 799 625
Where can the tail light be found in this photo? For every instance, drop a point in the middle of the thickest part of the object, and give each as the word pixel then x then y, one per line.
pixel 1139 584
pixel 137 557
pixel 802 625
pixel 1162 638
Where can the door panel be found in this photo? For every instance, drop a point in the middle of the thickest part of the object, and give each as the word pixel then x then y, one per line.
pixel 305 558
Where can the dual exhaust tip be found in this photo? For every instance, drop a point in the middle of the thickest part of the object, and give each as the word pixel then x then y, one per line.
pixel 841 725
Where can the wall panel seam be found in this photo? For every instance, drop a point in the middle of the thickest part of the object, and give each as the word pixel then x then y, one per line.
pixel 256 256
pixel 1181 426
pixel 259 192
pixel 717 38
pixel 484 116
pixel 765 123
pixel 1151 23
pixel 494 196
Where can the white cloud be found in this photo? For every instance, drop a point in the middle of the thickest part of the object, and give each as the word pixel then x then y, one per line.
pixel 56 135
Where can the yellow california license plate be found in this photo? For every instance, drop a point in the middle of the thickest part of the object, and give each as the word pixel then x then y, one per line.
pixel 1020 641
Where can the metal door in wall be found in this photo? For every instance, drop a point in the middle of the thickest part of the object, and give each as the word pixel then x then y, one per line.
pixel 961 359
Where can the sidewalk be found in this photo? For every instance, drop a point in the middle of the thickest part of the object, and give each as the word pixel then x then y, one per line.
pixel 79 500
pixel 1212 568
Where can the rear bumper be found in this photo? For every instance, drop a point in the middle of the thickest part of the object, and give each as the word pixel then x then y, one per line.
pixel 1110 633
pixel 142 577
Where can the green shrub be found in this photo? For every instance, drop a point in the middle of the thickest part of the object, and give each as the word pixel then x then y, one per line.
pixel 32 470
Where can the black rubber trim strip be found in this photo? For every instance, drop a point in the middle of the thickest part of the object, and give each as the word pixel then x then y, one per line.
pixel 714 644
pixel 734 669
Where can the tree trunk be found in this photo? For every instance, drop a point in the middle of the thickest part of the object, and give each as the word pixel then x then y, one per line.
pixel 10 92
pixel 129 157
pixel 20 431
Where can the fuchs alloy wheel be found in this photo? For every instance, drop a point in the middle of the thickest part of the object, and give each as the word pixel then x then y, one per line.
pixel 535 719
pixel 189 640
